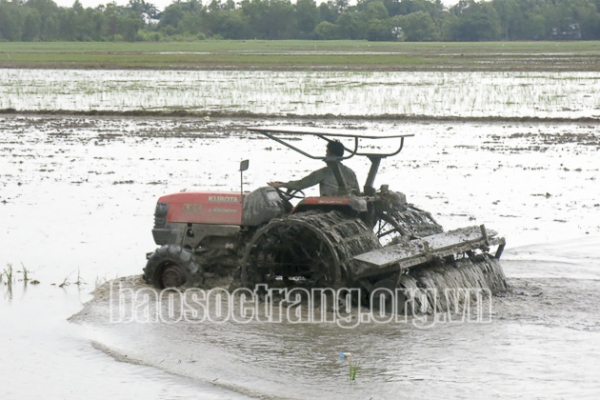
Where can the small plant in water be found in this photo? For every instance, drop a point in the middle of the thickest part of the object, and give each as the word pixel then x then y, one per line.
pixel 65 283
pixel 353 369
pixel 79 280
pixel 25 273
pixel 9 274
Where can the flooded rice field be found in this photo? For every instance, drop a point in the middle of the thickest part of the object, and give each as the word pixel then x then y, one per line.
pixel 77 197
pixel 439 94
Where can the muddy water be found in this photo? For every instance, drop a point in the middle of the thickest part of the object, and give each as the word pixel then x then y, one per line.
pixel 542 343
pixel 44 356
pixel 76 203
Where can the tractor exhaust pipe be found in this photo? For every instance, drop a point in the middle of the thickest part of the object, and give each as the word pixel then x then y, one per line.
pixel 243 166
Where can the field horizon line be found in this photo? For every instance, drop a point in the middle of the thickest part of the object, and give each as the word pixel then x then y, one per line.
pixel 245 114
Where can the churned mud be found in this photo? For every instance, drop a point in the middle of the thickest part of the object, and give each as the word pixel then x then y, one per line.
pixel 77 196
pixel 540 340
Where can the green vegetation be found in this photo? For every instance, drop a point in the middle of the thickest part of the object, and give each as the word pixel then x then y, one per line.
pixel 25 273
pixel 353 369
pixel 373 20
pixel 8 272
pixel 339 55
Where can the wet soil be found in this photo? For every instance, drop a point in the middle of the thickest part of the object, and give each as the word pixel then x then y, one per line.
pixel 299 117
pixel 77 195
pixel 540 342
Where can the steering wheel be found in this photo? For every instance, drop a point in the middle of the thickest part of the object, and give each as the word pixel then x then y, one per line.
pixel 290 194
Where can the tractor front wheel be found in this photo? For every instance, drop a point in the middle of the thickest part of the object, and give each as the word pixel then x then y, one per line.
pixel 172 266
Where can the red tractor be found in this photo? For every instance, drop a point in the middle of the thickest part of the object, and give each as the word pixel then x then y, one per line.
pixel 261 238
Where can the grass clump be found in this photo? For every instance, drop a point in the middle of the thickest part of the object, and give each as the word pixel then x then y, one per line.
pixel 353 366
pixel 8 272
pixel 25 273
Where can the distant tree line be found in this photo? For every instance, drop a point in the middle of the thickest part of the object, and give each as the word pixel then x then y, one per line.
pixel 376 20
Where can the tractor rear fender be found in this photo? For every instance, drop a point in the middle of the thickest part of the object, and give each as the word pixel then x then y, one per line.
pixel 357 204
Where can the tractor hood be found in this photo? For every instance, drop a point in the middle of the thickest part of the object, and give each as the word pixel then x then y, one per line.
pixel 204 207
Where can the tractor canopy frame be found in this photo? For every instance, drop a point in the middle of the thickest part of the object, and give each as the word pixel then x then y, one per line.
pixel 330 135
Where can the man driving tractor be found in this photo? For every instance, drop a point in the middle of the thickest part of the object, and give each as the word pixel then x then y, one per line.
pixel 325 177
